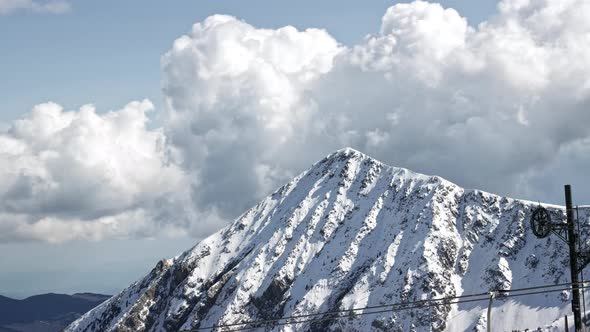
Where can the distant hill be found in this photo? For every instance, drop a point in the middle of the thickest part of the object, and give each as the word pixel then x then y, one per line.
pixel 46 312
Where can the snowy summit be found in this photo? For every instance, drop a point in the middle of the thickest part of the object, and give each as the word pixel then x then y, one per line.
pixel 348 233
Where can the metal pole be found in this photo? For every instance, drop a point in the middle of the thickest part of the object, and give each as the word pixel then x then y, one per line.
pixel 567 326
pixel 492 295
pixel 582 271
pixel 573 258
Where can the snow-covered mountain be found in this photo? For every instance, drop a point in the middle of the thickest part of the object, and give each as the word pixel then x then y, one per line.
pixel 352 232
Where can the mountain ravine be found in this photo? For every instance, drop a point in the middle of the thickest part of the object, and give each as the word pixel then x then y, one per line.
pixel 352 232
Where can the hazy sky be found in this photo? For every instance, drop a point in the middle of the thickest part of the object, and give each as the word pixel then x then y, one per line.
pixel 127 132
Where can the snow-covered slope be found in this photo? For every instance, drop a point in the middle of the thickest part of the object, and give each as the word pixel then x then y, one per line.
pixel 352 232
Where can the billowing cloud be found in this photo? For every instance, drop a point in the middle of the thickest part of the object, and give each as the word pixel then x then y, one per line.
pixel 52 6
pixel 79 174
pixel 238 97
pixel 485 106
pixel 502 107
pixel 481 106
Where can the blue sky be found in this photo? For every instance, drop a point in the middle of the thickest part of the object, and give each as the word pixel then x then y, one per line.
pixel 91 201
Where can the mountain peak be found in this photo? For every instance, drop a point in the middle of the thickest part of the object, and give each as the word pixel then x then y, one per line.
pixel 351 155
pixel 348 152
pixel 344 154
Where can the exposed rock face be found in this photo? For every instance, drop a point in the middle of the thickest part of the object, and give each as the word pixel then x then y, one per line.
pixel 351 232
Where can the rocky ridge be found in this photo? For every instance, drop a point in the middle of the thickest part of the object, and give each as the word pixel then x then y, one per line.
pixel 352 232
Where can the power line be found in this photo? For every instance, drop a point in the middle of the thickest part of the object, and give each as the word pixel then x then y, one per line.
pixel 392 308
pixel 543 286
pixel 543 292
pixel 413 305
pixel 341 311
pixel 335 315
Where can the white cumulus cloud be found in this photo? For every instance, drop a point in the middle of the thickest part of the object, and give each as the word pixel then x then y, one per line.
pixel 79 174
pixel 52 6
pixel 482 106
pixel 237 99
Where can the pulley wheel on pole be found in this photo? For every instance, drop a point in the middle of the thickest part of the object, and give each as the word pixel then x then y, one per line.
pixel 541 222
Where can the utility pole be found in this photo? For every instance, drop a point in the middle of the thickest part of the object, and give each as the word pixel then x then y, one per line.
pixel 571 234
pixel 492 296
pixel 542 226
